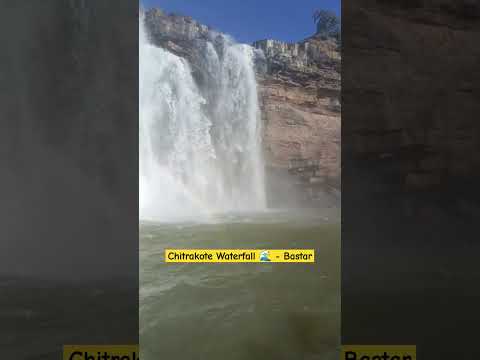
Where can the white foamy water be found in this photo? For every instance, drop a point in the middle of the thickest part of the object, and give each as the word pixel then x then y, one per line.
pixel 200 146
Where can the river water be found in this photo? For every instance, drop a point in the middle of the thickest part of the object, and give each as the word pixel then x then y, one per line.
pixel 241 311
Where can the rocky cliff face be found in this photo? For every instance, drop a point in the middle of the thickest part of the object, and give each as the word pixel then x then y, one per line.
pixel 300 100
pixel 410 159
pixel 299 91
pixel 413 72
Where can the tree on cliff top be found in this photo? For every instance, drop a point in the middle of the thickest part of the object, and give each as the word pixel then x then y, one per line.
pixel 328 23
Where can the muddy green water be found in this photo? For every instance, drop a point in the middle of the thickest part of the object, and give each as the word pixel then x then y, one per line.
pixel 241 311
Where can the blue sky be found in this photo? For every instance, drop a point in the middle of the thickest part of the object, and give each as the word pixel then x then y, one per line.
pixel 249 20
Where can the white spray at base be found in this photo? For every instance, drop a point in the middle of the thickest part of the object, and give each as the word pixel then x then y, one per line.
pixel 200 149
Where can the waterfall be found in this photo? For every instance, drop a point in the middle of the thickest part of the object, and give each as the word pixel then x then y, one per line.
pixel 200 141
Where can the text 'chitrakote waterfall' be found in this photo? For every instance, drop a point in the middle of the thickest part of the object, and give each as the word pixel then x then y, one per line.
pixel 200 136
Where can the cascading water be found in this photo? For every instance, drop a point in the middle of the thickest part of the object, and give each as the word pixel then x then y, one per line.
pixel 200 143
